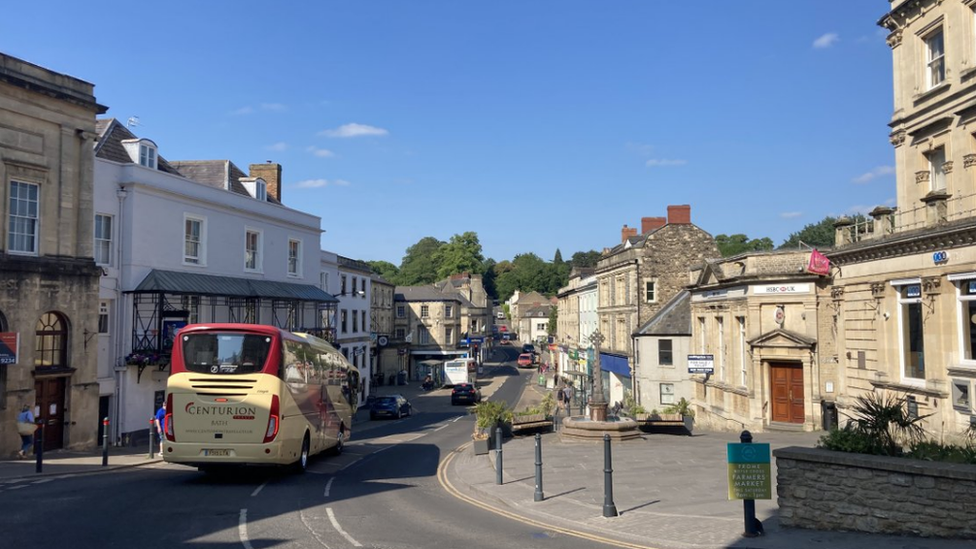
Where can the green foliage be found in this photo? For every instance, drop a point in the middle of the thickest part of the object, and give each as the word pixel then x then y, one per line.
pixel 387 270
pixel 879 426
pixel 585 259
pixel 461 254
pixel 949 453
pixel 488 279
pixel 631 408
pixel 729 245
pixel 553 321
pixel 816 235
pixel 420 266
pixel 489 413
pixel 682 407
pixel 548 404
pixel 558 258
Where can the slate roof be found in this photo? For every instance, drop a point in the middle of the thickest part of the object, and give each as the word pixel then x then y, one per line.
pixel 174 282
pixel 111 134
pixel 537 312
pixel 422 293
pixel 219 174
pixel 673 319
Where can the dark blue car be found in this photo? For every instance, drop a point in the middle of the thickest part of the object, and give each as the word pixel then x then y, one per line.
pixel 389 406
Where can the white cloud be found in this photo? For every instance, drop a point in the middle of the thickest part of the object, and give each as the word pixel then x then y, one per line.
pixel 665 162
pixel 242 111
pixel 790 215
pixel 321 153
pixel 276 107
pixel 277 147
pixel 877 172
pixel 311 183
pixel 341 182
pixel 273 107
pixel 826 40
pixel 354 130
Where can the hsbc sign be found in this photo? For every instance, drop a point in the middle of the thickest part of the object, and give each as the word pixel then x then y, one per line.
pixel 782 289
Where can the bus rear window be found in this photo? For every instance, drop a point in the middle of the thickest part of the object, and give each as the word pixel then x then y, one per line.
pixel 228 354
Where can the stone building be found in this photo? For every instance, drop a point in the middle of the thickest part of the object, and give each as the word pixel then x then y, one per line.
pixel 476 310
pixel 903 304
pixel 755 316
pixel 426 326
pixel 636 278
pixel 663 344
pixel 518 305
pixel 381 326
pixel 48 277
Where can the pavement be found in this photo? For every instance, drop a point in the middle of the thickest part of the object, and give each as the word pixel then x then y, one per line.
pixel 670 491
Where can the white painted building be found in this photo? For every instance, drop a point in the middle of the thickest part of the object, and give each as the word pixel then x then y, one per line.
pixel 353 335
pixel 188 242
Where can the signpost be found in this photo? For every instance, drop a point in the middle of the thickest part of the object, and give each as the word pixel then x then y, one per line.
pixel 701 364
pixel 749 479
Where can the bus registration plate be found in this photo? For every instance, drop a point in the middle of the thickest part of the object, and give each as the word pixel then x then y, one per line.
pixel 216 452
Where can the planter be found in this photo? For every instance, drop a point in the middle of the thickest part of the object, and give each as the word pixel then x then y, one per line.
pixel 480 446
pixel 875 494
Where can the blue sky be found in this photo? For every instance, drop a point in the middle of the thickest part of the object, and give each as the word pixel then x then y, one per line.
pixel 539 125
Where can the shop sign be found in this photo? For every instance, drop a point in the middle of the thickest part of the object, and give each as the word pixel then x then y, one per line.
pixel 749 471
pixel 782 289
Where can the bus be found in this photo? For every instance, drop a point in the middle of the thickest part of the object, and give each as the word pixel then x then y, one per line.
pixel 248 394
pixel 462 370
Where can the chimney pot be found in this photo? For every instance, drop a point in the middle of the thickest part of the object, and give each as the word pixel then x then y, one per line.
pixel 650 223
pixel 679 214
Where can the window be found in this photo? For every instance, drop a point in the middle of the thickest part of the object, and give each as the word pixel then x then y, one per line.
pixel 474 324
pixel 103 239
pixel 147 156
pixel 649 294
pixel 252 250
pixel 664 353
pixel 967 318
pixel 362 322
pixel 720 328
pixel 667 393
pixel 355 320
pixel 194 242
pixel 448 335
pixel 701 335
pixel 448 311
pixel 401 311
pixel 743 364
pixel 399 333
pixel 342 284
pixel 191 304
pixel 912 341
pixel 937 174
pixel 261 190
pixel 935 59
pixel 354 284
pixel 103 317
pixel 22 232
pixel 51 333
pixel 342 322
pixel 424 311
pixel 324 281
pixel 294 257
pixel 961 399
pixel 423 336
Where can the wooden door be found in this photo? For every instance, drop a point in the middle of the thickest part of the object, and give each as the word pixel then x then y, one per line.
pixel 787 392
pixel 50 400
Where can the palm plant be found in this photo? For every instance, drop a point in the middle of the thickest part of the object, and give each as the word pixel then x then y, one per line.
pixel 879 424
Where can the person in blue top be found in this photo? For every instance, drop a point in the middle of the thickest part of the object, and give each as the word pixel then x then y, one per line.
pixel 160 424
pixel 26 441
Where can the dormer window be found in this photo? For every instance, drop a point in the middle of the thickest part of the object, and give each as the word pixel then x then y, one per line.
pixel 142 152
pixel 256 187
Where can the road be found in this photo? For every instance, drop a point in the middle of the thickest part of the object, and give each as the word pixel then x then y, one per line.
pixel 382 492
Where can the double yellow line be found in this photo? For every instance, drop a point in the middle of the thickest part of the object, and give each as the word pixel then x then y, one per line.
pixel 442 478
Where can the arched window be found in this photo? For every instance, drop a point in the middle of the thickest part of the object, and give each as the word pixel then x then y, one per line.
pixel 52 341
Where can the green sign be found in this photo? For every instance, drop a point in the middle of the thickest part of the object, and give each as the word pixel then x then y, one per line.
pixel 750 476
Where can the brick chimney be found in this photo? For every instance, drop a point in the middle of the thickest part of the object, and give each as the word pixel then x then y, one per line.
pixel 651 223
pixel 626 233
pixel 679 215
pixel 270 172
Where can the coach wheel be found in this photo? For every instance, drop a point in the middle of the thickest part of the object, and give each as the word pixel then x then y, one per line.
pixel 302 464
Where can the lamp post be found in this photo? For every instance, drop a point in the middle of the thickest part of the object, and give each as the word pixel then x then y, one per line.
pixel 598 405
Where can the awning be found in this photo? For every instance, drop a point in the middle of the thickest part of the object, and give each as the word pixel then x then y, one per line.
pixel 615 364
pixel 174 282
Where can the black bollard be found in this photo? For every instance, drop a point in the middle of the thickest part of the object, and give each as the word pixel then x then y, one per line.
pixel 39 447
pixel 539 496
pixel 609 509
pixel 749 505
pixel 152 437
pixel 498 455
pixel 105 442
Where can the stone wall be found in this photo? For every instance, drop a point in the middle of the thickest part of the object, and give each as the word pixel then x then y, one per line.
pixel 827 490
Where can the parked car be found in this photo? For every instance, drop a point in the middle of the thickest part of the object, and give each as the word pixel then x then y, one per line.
pixel 528 348
pixel 390 406
pixel 465 392
pixel 525 360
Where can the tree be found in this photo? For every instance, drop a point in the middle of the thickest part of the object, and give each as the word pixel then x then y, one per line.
pixel 735 244
pixel 558 258
pixel 387 270
pixel 553 321
pixel 585 259
pixel 420 265
pixel 462 254
pixel 488 279
pixel 815 235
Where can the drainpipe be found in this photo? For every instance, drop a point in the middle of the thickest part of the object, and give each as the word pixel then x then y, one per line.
pixel 121 193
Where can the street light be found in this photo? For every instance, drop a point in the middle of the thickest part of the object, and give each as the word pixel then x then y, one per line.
pixel 598 405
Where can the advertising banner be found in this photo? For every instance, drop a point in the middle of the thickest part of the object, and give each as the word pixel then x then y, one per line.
pixel 9 341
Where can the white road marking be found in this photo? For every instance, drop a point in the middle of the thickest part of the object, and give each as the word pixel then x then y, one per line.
pixel 258 489
pixel 328 486
pixel 18 487
pixel 242 530
pixel 301 514
pixel 42 481
pixel 455 419
pixel 339 529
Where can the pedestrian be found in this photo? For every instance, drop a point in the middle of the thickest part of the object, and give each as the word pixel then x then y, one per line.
pixel 26 428
pixel 160 424
pixel 568 394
